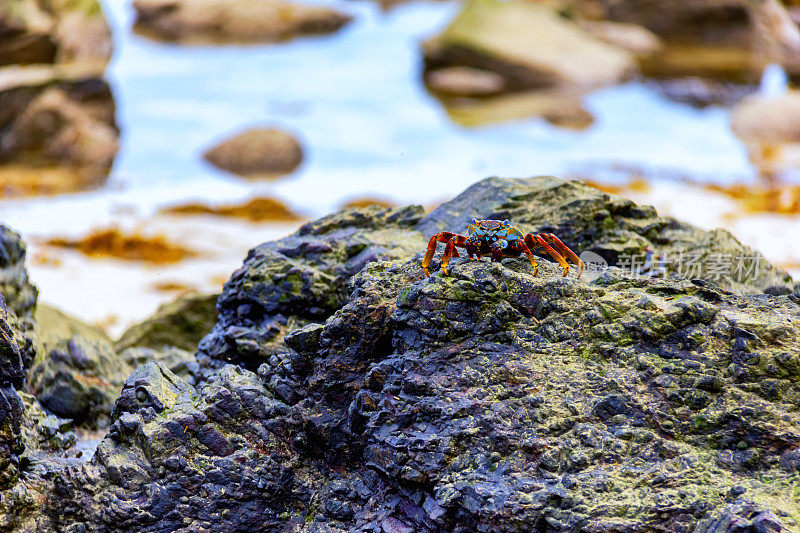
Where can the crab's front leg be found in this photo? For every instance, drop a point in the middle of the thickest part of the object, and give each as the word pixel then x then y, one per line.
pixel 497 250
pixel 473 246
pixel 532 258
pixel 518 239
pixel 451 251
pixel 444 237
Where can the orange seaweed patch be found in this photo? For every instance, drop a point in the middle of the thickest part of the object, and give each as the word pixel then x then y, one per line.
pixel 780 199
pixel 365 202
pixel 219 280
pixel 171 286
pixel 43 258
pixel 113 243
pixel 21 180
pixel 634 185
pixel 255 210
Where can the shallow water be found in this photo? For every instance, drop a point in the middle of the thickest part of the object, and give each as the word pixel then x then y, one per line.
pixel 368 126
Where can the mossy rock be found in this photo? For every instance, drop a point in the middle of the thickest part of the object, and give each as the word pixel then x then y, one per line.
pixel 178 324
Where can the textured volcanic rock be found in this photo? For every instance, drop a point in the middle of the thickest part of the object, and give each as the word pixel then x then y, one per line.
pixel 611 226
pixel 233 21
pixel 43 432
pixel 176 360
pixel 79 379
pixel 529 45
pixel 491 400
pixel 488 401
pixel 181 323
pixel 13 361
pixel 257 153
pixel 19 294
pixel 287 283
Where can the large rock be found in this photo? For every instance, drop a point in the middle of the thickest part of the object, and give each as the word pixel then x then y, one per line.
pixel 257 153
pixel 615 228
pixel 79 379
pixel 287 283
pixel 526 43
pixel 491 400
pixel 181 323
pixel 236 21
pixel 216 457
pixel 53 31
pixel 13 361
pixel 17 291
pixel 769 126
pixel 768 120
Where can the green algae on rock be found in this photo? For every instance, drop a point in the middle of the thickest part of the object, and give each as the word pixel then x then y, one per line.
pixel 490 400
pixel 79 379
pixel 285 284
pixel 611 226
pixel 54 326
pixel 181 323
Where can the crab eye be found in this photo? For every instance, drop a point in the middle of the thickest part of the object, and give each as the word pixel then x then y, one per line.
pixel 505 222
pixel 474 220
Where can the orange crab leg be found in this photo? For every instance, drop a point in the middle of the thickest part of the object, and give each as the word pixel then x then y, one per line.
pixel 536 241
pixel 555 255
pixel 451 251
pixel 566 251
pixel 532 258
pixel 444 237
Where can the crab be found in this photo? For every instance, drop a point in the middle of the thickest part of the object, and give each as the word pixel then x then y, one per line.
pixel 500 239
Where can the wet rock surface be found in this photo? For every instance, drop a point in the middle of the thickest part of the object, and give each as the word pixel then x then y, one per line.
pixel 58 122
pixel 286 284
pixel 19 294
pixel 79 379
pixel 376 399
pixel 617 229
pixel 233 21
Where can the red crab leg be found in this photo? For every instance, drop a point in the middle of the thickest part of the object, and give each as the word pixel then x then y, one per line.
pixel 566 251
pixel 451 251
pixel 535 241
pixel 444 237
pixel 532 258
